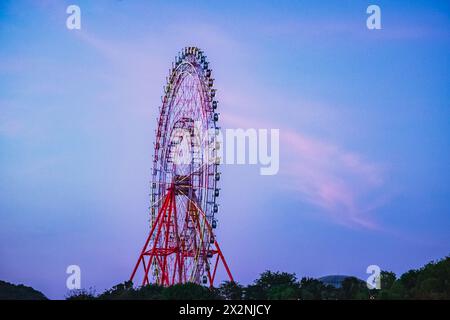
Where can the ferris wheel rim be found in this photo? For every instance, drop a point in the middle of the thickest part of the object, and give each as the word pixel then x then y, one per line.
pixel 186 69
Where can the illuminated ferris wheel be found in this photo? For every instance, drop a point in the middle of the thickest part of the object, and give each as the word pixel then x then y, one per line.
pixel 181 246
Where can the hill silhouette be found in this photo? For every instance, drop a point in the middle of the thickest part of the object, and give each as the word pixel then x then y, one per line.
pixel 9 291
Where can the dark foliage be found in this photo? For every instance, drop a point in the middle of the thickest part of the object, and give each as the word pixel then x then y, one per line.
pixel 273 285
pixel 190 291
pixel 429 282
pixel 230 290
pixel 81 294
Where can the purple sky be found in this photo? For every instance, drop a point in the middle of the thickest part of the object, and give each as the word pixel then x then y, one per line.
pixel 363 118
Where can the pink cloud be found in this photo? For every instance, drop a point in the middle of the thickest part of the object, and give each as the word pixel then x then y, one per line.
pixel 340 183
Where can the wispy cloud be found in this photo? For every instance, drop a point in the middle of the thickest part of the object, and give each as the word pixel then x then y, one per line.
pixel 339 183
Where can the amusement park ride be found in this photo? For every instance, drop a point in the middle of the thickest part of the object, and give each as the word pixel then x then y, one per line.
pixel 181 246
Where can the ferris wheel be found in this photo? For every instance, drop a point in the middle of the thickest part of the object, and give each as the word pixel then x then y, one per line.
pixel 181 246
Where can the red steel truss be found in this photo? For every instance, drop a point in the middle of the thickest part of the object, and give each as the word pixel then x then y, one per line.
pixel 161 251
pixel 181 246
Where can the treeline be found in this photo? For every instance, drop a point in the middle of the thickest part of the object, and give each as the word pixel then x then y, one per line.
pixel 429 282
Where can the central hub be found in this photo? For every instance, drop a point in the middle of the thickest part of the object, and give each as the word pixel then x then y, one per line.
pixel 183 184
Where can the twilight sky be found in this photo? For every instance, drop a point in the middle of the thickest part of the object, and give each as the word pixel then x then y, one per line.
pixel 364 134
